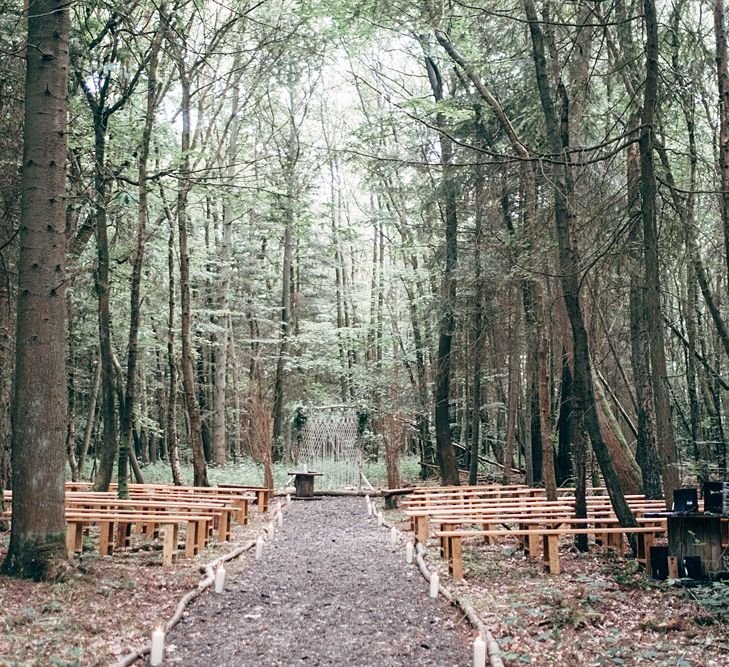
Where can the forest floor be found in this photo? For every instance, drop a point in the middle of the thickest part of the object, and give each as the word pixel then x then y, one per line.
pixel 105 607
pixel 329 590
pixel 329 579
pixel 601 610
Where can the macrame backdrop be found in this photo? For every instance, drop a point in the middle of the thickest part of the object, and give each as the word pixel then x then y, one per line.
pixel 330 445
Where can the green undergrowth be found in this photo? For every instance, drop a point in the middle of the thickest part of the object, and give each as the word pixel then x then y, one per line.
pixel 247 472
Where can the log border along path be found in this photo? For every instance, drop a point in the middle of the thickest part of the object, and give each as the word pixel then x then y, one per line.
pixel 328 590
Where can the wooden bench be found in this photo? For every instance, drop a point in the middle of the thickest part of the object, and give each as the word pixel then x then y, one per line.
pixel 196 530
pixel 420 517
pixel 239 496
pixel 221 511
pixel 550 540
pixel 530 542
pixel 263 494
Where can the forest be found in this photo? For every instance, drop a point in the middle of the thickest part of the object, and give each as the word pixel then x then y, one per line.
pixel 498 229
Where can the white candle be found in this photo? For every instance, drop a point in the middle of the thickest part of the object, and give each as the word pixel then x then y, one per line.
pixel 288 498
pixel 279 518
pixel 219 579
pixel 479 652
pixel 380 519
pixel 157 654
pixel 434 584
pixel 369 506
pixel 259 548
pixel 393 536
pixel 409 553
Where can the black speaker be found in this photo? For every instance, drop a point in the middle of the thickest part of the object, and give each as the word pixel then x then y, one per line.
pixel 716 497
pixel 685 500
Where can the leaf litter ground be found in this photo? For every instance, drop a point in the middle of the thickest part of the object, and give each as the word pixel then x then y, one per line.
pixel 600 611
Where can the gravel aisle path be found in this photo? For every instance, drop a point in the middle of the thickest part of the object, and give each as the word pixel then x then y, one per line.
pixel 328 591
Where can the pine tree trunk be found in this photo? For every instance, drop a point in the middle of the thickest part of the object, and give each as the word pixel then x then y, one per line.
pixel 565 425
pixel 37 541
pixel 71 390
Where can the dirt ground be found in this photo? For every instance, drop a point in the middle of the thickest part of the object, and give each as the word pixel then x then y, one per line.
pixel 328 591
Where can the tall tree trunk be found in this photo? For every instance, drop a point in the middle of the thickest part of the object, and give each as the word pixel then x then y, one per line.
pixel 478 333
pixel 71 391
pixel 565 425
pixel 514 373
pixel 102 286
pixel 37 541
pixel 171 425
pixel 558 134
pixel 292 155
pixel 188 371
pixel 90 417
pixel 126 417
pixel 652 286
pixel 445 452
pixel 722 75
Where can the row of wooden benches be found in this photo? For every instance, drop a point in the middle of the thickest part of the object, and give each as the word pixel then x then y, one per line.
pixel 499 512
pixel 190 514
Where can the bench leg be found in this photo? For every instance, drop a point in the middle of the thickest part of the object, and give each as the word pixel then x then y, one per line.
pixel 645 541
pixel 201 535
pixel 533 545
pixel 456 564
pixel 191 531
pixel 551 553
pixel 150 530
pixel 422 531
pixel 223 532
pixel 72 532
pixel 616 541
pixel 123 534
pixel 673 567
pixel 169 544
pixel 489 539
pixel 106 538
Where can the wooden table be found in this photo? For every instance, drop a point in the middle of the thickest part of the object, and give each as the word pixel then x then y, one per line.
pixel 304 482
